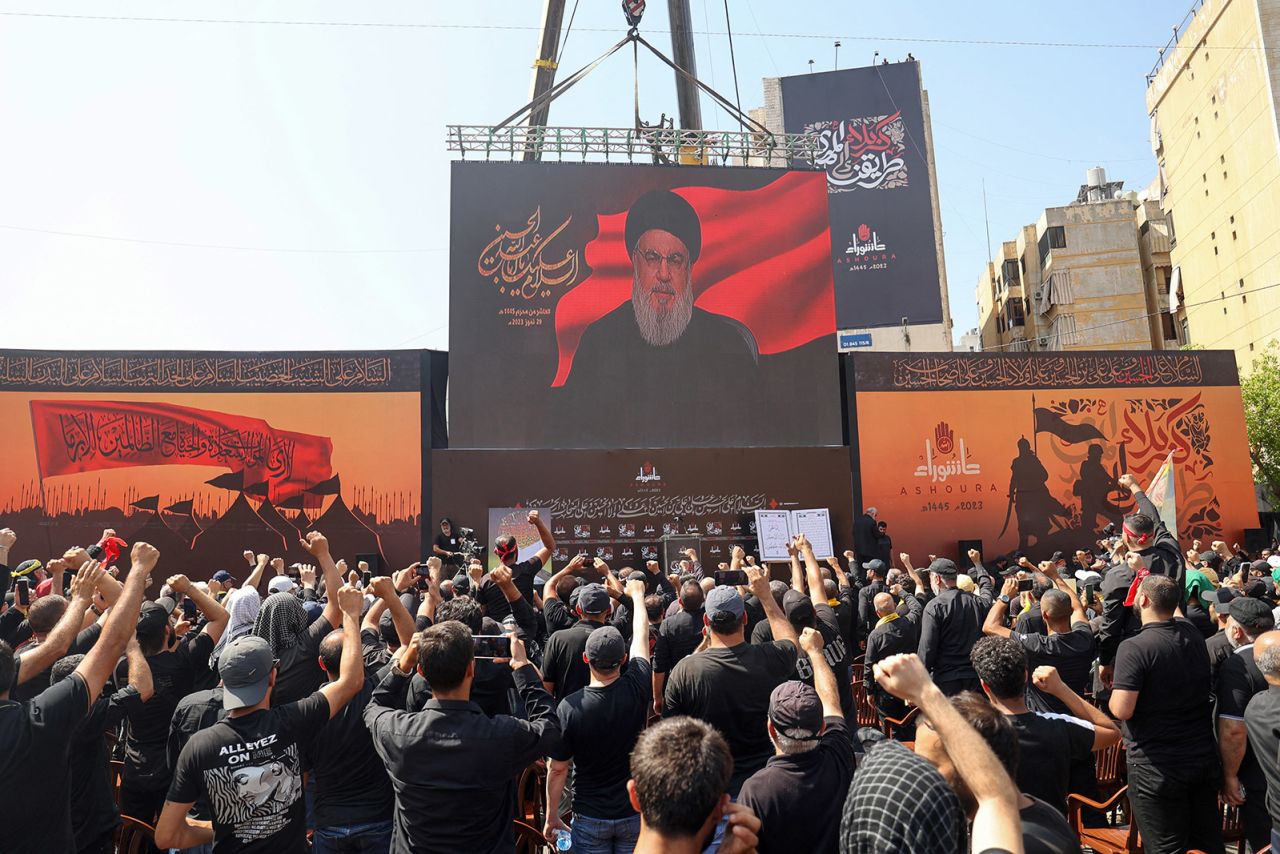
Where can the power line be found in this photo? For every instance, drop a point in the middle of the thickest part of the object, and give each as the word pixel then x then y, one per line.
pixel 1048 156
pixel 186 245
pixel 518 27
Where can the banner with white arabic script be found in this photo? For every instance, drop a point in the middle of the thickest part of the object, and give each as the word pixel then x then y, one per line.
pixel 617 505
pixel 873 148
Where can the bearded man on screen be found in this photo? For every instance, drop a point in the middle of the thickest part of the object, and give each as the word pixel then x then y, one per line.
pixel 659 352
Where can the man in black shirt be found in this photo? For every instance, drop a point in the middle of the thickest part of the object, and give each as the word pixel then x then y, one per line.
pixel 1068 645
pixel 353 801
pixel 892 634
pixel 728 685
pixel 450 760
pixel 791 794
pixel 875 572
pixel 523 573
pixel 678 636
pixel 564 670
pixel 679 771
pixel 1161 692
pixel 1219 645
pixel 1262 717
pixel 1238 680
pixel 951 625
pixel 96 816
pixel 1153 550
pixel 599 724
pixel 175 663
pixel 35 811
pixel 1050 743
pixel 446 545
pixel 248 767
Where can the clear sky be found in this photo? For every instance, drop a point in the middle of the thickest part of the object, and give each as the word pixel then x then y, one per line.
pixel 273 185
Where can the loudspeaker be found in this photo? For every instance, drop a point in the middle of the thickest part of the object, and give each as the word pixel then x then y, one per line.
pixel 1255 540
pixel 963 554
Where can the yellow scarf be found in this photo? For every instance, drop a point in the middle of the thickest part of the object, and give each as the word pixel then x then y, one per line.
pixel 888 618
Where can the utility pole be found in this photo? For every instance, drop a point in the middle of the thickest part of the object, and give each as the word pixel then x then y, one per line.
pixel 682 54
pixel 544 68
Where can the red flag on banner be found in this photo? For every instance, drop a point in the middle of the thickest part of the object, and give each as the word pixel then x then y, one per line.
pixel 765 261
pixel 88 435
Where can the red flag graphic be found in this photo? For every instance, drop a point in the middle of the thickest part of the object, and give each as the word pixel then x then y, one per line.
pixel 766 262
pixel 88 435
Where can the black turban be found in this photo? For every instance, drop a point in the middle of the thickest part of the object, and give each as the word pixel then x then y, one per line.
pixel 665 210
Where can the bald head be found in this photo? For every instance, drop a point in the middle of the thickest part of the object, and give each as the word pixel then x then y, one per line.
pixel 1266 654
pixel 884 604
pixel 1056 606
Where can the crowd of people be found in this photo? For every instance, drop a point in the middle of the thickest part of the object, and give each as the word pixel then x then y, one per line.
pixel 697 710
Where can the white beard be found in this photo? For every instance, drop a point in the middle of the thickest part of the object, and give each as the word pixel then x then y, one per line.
pixel 660 327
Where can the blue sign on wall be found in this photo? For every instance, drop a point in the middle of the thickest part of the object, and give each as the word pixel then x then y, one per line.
pixel 850 340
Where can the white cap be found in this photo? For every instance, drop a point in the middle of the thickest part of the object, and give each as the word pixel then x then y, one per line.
pixel 280 584
pixel 1274 561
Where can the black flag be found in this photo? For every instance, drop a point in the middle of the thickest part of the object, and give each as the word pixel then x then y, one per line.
pixel 294 503
pixel 327 487
pixel 230 480
pixel 257 490
pixel 152 503
pixel 182 508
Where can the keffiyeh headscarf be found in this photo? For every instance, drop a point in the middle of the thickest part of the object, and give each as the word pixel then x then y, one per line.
pixel 280 622
pixel 243 606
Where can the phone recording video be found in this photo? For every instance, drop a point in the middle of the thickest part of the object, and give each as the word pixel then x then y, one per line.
pixel 366 577
pixel 491 646
pixel 22 592
pixel 730 577
pixel 1024 585
pixel 188 610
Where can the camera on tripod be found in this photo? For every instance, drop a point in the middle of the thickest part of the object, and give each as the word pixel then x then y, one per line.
pixel 468 545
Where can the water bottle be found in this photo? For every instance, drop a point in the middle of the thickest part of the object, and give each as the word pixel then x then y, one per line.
pixel 564 840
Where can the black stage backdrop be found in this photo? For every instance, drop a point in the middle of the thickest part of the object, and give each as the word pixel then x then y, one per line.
pixel 546 348
pixel 617 504
pixel 871 124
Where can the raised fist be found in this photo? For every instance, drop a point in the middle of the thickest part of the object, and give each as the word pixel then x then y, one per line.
pixel 144 556
pixel 315 544
pixel 7 538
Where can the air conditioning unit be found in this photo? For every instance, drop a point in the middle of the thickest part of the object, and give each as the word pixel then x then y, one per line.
pixel 1043 343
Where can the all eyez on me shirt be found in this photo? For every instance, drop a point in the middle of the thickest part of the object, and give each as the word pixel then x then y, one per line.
pixel 249 770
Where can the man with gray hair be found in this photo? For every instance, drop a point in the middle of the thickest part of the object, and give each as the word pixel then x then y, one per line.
pixel 1262 717
pixel 813 757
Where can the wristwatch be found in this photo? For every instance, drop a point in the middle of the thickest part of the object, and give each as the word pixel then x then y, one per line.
pixel 1004 598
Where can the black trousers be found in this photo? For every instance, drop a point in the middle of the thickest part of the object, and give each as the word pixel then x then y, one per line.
pixel 951 687
pixel 1176 807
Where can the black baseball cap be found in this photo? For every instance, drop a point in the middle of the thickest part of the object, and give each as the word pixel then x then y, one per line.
pixel 606 648
pixel 1252 614
pixel 945 567
pixel 798 608
pixel 795 710
pixel 593 599
pixel 876 566
pixel 1212 559
pixel 245 666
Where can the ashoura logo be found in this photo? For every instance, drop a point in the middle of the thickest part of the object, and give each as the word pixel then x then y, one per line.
pixel 945 456
pixel 648 474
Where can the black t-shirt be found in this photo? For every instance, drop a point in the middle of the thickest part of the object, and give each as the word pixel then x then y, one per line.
pixel 1048 745
pixel 1239 679
pixel 598 728
pixel 173 674
pixel 250 770
pixel 523 575
pixel 91 789
pixel 1168 665
pixel 678 636
pixel 729 688
pixel 351 782
pixel 562 663
pixel 1045 831
pixel 1262 716
pixel 449 544
pixel 558 616
pixel 195 712
pixel 799 798
pixel 83 642
pixel 834 651
pixel 1072 653
pixel 35 811
pixel 298 675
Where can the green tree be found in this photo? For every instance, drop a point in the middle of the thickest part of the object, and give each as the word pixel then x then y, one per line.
pixel 1261 392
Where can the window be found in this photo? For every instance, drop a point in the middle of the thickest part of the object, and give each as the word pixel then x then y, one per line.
pixel 1014 313
pixel 1009 272
pixel 1233 235
pixel 1057 237
pixel 1186 332
pixel 1169 326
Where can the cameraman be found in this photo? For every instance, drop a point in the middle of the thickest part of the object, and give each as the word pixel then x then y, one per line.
pixel 448 545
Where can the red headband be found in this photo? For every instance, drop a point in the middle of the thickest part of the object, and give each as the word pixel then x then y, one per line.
pixel 1142 538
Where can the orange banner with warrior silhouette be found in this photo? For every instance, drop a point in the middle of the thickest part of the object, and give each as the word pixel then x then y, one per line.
pixel 1036 469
